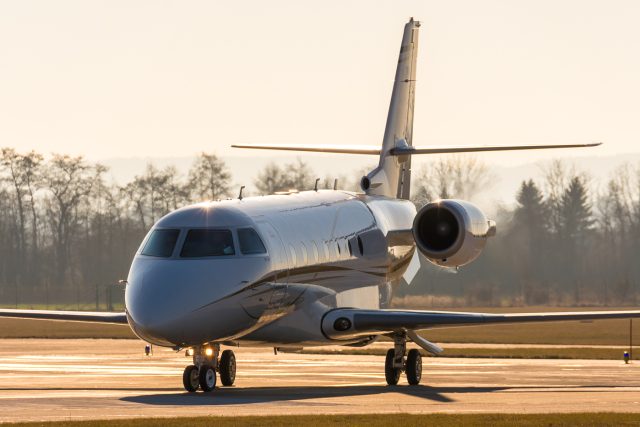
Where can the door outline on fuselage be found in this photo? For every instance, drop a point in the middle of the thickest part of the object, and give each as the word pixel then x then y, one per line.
pixel 280 252
pixel 280 296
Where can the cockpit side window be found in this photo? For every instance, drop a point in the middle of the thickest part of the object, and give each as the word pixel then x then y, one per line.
pixel 161 243
pixel 250 242
pixel 201 243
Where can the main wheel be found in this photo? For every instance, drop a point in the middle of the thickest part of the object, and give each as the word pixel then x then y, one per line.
pixel 207 378
pixel 414 367
pixel 190 378
pixel 391 374
pixel 227 367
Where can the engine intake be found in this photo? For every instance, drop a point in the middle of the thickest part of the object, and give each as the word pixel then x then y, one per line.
pixel 451 233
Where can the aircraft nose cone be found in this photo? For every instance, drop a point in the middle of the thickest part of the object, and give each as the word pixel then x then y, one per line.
pixel 148 308
pixel 175 303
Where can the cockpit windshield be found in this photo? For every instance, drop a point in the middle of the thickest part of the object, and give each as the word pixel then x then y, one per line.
pixel 205 243
pixel 161 243
pixel 250 243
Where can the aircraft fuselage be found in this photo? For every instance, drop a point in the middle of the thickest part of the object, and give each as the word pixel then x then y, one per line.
pixel 323 250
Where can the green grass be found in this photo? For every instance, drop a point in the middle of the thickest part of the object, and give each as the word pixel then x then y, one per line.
pixel 374 420
pixel 23 328
pixel 601 332
pixel 69 306
pixel 498 353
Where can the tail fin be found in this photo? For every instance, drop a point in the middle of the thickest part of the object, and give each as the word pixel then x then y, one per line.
pixel 392 177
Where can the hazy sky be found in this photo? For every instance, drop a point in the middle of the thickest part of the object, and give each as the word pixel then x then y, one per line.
pixel 172 78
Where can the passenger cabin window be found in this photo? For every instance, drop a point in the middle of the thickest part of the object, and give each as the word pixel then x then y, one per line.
pixel 250 243
pixel 303 249
pixel 161 243
pixel 293 260
pixel 205 243
pixel 316 253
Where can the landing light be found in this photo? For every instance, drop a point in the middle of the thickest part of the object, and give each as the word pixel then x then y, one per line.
pixel 208 352
pixel 189 352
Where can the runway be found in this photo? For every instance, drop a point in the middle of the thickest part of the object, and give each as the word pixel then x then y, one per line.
pixel 44 380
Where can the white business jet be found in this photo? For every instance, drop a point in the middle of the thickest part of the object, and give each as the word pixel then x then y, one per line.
pixel 307 268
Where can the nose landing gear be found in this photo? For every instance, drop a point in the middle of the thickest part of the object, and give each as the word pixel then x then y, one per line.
pixel 202 374
pixel 396 363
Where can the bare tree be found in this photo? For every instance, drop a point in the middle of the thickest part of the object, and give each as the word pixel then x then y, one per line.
pixel 154 194
pixel 11 161
pixel 449 177
pixel 23 173
pixel 297 175
pixel 209 178
pixel 69 181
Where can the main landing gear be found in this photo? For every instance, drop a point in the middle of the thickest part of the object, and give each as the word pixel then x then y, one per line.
pixel 202 374
pixel 396 363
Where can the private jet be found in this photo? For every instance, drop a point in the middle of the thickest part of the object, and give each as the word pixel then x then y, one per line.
pixel 309 268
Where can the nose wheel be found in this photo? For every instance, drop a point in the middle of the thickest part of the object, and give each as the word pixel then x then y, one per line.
pixel 206 364
pixel 207 378
pixel 395 363
pixel 190 378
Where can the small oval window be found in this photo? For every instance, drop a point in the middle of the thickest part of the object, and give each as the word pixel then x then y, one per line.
pixel 292 252
pixel 303 249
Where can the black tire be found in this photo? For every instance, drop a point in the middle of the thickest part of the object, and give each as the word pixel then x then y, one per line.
pixel 190 378
pixel 207 378
pixel 391 374
pixel 227 368
pixel 414 367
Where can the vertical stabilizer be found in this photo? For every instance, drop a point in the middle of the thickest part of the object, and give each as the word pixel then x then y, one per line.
pixel 392 177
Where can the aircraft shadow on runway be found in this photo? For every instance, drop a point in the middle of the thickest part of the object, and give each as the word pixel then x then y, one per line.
pixel 241 396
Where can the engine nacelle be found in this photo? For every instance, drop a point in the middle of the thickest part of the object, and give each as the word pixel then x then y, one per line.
pixel 451 233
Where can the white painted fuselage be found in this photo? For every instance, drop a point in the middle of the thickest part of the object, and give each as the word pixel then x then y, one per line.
pixel 324 250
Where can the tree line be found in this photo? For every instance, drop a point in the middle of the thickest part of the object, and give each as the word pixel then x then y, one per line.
pixel 68 234
pixel 566 241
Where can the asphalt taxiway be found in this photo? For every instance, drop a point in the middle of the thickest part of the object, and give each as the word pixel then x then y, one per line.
pixel 67 379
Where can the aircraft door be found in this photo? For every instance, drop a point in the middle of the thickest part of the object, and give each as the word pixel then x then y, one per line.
pixel 280 297
pixel 275 246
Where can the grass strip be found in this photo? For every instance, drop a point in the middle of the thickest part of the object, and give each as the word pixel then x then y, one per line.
pixel 371 420
pixel 497 353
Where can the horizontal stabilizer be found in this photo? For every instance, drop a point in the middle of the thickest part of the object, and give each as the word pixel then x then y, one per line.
pixel 407 150
pixel 343 149
pixel 403 151
pixel 74 316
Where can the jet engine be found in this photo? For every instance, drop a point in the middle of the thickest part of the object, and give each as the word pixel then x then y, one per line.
pixel 451 233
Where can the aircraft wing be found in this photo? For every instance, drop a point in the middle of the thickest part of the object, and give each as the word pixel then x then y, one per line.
pixel 73 316
pixel 386 321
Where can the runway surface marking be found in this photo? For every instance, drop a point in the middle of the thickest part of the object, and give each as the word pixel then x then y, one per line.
pixel 83 379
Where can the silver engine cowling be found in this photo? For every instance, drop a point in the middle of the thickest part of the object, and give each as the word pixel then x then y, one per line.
pixel 451 233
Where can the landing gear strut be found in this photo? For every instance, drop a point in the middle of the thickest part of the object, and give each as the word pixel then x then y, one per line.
pixel 396 363
pixel 202 374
